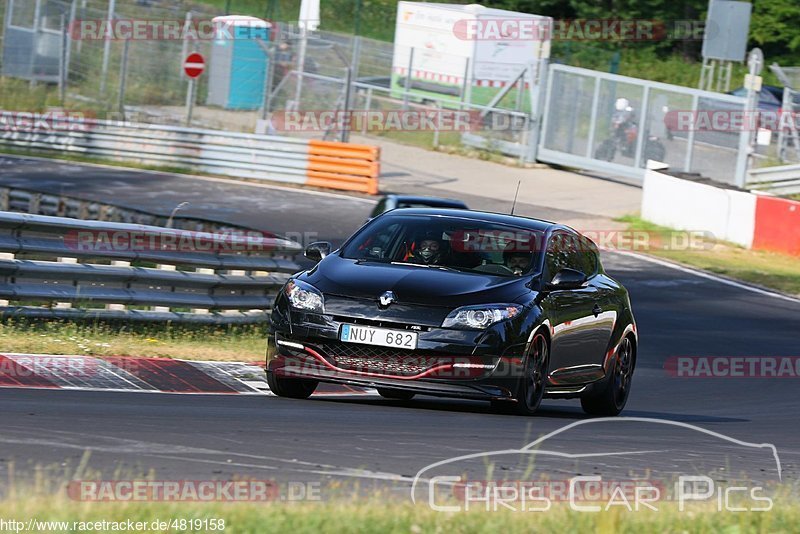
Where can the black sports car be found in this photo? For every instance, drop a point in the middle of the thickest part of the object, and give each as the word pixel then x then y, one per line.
pixel 460 304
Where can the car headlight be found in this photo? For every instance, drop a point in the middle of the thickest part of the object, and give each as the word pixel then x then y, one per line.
pixel 481 316
pixel 304 297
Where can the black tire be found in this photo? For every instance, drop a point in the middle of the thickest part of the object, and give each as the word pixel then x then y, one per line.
pixel 530 390
pixel 654 150
pixel 605 151
pixel 396 394
pixel 609 398
pixel 293 388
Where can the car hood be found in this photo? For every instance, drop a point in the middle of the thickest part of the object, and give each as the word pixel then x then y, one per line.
pixel 413 284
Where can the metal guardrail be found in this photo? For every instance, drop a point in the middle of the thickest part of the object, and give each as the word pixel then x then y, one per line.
pixel 267 157
pixel 781 180
pixel 136 272
pixel 24 200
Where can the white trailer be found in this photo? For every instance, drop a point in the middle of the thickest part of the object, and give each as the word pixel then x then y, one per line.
pixel 441 45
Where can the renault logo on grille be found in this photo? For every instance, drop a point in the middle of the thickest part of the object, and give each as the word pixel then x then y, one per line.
pixel 387 299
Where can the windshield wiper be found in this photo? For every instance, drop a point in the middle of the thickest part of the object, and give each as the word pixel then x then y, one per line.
pixel 359 261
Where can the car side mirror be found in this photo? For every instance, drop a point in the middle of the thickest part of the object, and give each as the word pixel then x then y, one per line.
pixel 317 250
pixel 567 279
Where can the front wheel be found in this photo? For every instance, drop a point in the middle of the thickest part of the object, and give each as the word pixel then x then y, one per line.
pixel 610 398
pixel 293 388
pixel 530 390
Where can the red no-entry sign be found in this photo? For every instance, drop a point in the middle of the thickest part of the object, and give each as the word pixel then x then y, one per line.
pixel 194 65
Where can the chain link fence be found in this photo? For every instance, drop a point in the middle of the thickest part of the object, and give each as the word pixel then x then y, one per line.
pixel 55 54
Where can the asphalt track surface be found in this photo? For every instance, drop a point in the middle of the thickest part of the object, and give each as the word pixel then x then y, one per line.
pixel 369 440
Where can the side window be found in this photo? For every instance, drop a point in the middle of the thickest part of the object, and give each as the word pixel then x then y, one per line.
pixel 571 252
pixel 557 256
pixel 588 256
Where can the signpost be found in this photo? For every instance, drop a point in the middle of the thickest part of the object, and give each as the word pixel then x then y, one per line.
pixel 193 66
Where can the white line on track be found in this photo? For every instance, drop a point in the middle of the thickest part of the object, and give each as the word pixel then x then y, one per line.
pixel 707 275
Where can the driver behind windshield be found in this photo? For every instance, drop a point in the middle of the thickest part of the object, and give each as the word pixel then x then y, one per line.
pixel 517 261
pixel 428 249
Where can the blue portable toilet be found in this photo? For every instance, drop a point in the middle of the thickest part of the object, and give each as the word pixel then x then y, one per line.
pixel 238 63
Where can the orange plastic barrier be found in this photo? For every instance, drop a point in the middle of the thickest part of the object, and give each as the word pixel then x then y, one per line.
pixel 347 166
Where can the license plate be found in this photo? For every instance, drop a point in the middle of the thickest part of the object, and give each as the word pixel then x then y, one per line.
pixel 384 337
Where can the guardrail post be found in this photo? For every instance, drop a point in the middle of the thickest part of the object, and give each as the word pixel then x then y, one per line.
pixel 6 256
pixel 202 270
pixel 118 307
pixel 65 305
pixel 163 267
pixel 34 202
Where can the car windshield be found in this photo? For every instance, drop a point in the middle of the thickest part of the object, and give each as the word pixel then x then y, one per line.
pixel 447 243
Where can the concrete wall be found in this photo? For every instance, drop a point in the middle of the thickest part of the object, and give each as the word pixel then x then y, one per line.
pixel 750 220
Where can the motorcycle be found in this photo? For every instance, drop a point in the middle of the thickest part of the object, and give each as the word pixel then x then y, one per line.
pixel 624 132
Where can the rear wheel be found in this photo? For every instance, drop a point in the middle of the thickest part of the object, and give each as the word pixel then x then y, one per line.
pixel 530 390
pixel 605 151
pixel 395 394
pixel 610 398
pixel 293 388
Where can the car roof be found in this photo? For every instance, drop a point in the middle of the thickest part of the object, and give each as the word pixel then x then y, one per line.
pixel 432 201
pixel 529 223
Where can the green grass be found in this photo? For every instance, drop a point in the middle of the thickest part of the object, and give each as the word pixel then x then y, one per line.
pixel 769 269
pixel 384 517
pixel 225 343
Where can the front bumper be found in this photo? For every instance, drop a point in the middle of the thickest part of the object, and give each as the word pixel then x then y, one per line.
pixel 447 362
pixel 447 377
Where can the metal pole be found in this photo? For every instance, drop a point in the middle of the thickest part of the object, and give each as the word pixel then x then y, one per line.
pixel 187 24
pixel 267 105
pixel 123 77
pixel 356 57
pixel 367 107
pixel 348 81
pixel 106 51
pixel 301 62
pixel 190 101
pixel 407 85
pixel 687 164
pixel 465 85
pixel 62 62
pixel 641 139
pixel 36 16
pixel 71 20
pixel 593 117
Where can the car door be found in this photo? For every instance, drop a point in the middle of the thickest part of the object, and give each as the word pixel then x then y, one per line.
pixel 575 340
pixel 604 309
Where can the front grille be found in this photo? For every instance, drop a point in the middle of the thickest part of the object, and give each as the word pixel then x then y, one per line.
pixel 386 360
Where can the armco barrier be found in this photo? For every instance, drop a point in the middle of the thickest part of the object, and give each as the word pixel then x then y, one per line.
pixel 346 166
pixel 106 270
pixel 751 220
